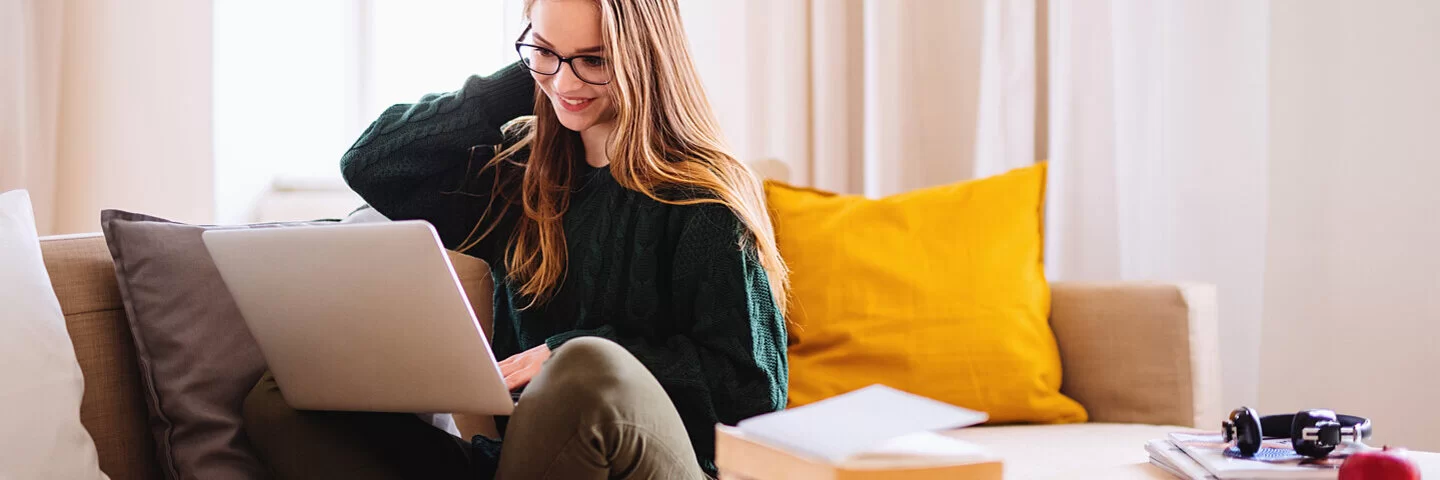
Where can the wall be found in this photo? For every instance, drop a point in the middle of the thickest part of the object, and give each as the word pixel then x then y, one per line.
pixel 135 112
pixel 1352 288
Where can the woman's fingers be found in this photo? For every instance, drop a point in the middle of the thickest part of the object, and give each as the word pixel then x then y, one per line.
pixel 521 367
pixel 517 373
pixel 515 361
pixel 520 377
pixel 511 382
pixel 510 365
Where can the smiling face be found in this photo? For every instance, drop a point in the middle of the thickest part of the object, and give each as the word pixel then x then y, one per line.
pixel 569 28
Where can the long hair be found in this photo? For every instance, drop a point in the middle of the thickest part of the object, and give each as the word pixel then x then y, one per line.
pixel 666 139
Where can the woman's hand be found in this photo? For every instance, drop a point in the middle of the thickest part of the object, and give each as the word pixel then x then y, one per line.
pixel 520 368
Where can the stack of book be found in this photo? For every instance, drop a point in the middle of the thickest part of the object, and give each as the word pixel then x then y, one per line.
pixel 873 433
pixel 1198 456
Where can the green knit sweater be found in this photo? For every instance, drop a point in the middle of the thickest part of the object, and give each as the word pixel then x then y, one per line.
pixel 672 284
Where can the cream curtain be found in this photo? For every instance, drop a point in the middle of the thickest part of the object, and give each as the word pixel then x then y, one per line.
pixel 871 96
pixel 1158 139
pixel 1010 126
pixel 30 50
pixel 107 104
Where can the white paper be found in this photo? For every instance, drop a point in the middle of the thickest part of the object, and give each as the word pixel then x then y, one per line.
pixel 927 444
pixel 842 426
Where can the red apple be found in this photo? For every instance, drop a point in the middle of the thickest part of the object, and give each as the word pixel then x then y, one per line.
pixel 1384 464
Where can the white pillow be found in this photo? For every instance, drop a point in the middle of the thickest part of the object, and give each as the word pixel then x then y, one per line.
pixel 40 382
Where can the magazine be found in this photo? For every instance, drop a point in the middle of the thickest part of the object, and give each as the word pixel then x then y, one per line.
pixel 1171 459
pixel 1274 460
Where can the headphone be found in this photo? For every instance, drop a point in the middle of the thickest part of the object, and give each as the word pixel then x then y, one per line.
pixel 1312 433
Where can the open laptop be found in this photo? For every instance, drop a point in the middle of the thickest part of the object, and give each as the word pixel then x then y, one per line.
pixel 361 317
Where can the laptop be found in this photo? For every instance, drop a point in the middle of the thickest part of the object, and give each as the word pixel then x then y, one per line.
pixel 361 317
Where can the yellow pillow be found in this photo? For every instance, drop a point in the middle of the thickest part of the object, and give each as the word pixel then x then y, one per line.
pixel 939 292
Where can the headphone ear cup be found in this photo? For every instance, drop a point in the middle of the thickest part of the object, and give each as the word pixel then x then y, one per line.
pixel 1246 425
pixel 1319 418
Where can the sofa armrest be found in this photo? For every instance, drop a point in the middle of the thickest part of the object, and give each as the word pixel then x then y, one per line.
pixel 1139 352
pixel 479 288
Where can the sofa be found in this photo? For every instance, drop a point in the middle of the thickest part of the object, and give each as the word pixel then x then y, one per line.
pixel 1141 357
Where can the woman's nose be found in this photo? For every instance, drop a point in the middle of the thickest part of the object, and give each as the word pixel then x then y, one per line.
pixel 565 79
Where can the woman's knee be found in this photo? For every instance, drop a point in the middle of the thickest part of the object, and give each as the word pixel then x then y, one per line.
pixel 591 351
pixel 596 388
pixel 276 429
pixel 265 409
pixel 593 380
pixel 592 365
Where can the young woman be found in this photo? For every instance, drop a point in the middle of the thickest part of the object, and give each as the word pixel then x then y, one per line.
pixel 639 289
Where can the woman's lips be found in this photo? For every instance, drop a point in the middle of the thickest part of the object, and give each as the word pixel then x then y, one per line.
pixel 574 104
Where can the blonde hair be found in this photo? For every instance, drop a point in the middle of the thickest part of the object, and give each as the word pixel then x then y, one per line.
pixel 666 139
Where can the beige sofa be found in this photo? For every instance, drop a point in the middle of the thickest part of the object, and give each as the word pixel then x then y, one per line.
pixel 1136 355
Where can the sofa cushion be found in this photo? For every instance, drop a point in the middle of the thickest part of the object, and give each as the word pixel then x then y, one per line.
pixel 939 292
pixel 40 395
pixel 197 358
pixel 1078 451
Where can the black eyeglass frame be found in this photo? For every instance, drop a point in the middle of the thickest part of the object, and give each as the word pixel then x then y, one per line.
pixel 563 60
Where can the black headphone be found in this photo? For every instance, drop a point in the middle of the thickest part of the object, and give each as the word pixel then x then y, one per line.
pixel 1312 433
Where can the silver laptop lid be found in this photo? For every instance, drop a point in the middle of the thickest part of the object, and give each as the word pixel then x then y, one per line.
pixel 361 317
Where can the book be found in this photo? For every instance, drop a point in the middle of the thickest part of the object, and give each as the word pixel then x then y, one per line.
pixel 742 457
pixel 875 432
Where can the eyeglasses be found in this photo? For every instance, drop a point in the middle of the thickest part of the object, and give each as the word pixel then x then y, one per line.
pixel 591 69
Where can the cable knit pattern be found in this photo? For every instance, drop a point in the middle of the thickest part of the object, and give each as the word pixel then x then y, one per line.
pixel 414 162
pixel 672 284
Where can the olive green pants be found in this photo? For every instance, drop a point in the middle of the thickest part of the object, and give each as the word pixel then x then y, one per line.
pixel 592 412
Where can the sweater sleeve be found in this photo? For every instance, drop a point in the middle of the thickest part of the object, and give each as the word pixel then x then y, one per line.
pixel 422 160
pixel 729 362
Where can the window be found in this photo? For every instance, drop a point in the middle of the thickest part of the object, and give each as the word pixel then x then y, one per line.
pixel 297 82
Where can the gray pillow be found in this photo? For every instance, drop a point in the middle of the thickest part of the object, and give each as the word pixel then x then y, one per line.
pixel 197 358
